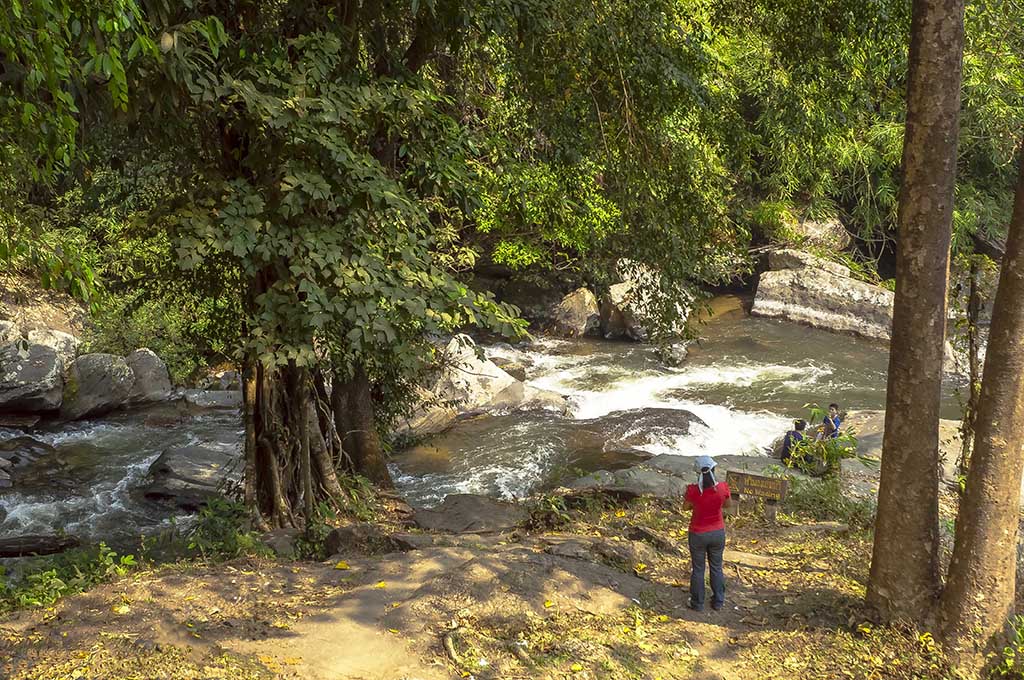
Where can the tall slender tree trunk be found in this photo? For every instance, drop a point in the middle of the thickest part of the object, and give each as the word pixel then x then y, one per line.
pixel 980 589
pixel 973 367
pixel 904 565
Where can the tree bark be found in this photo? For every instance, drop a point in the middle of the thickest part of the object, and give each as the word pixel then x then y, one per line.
pixel 352 402
pixel 980 589
pixel 973 367
pixel 905 566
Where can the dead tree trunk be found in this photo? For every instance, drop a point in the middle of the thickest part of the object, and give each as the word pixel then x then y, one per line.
pixel 979 594
pixel 904 565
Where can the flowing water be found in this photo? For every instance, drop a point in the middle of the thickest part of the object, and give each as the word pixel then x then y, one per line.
pixel 745 381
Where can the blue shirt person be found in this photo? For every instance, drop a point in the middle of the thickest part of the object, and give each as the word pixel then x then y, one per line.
pixel 832 422
pixel 795 435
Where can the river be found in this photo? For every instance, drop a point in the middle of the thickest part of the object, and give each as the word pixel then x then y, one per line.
pixel 746 379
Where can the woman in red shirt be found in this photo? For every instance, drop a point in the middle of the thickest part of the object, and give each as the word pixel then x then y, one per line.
pixel 707 532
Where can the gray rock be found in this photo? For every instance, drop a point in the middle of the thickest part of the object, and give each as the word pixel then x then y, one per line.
pixel 229 380
pixel 363 538
pixel 282 542
pixel 96 384
pixel 513 368
pixel 822 299
pixel 409 541
pixel 188 476
pixel 64 344
pixel 152 382
pixel 631 429
pixel 617 317
pixel 798 259
pixel 9 332
pixel 467 513
pixel 577 315
pixel 827 233
pixel 674 354
pixel 522 397
pixel 633 482
pixel 5 479
pixel 640 297
pixel 31 378
pixel 20 451
pixel 214 398
pixel 464 383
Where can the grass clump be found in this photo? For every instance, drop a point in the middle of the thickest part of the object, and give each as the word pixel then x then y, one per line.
pixel 825 500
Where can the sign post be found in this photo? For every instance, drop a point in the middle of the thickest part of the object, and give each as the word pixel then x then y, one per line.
pixel 771 489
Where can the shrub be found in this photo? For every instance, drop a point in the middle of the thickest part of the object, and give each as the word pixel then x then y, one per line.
pixel 46 580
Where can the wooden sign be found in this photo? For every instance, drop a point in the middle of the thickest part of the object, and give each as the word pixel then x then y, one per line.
pixel 745 484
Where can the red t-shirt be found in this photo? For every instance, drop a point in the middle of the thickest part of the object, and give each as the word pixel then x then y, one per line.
pixel 707 507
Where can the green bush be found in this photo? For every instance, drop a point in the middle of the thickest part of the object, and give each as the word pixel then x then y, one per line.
pixel 223 532
pixel 824 500
pixel 123 324
pixel 48 579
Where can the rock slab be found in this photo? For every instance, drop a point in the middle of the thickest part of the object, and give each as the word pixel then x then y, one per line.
pixel 188 476
pixel 96 384
pixel 821 294
pixel 467 513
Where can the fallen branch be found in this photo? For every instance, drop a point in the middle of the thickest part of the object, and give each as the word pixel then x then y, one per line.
pixel 23 546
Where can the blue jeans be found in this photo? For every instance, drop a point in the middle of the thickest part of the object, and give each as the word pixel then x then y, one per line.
pixel 710 545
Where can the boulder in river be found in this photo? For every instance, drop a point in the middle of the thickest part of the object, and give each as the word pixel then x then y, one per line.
pixel 152 382
pixel 638 298
pixel 64 344
pixel 810 290
pixel 188 476
pixel 214 398
pixel 96 384
pixel 467 513
pixel 31 378
pixel 577 315
pixel 466 384
pixel 633 428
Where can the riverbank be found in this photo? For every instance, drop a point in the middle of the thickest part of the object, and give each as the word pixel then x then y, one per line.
pixel 585 587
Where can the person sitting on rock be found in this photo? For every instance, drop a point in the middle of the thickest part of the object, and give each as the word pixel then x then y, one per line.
pixel 832 422
pixel 706 537
pixel 791 438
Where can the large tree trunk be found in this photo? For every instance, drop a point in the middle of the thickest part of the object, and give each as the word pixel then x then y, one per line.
pixel 292 464
pixel 980 590
pixel 352 400
pixel 904 564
